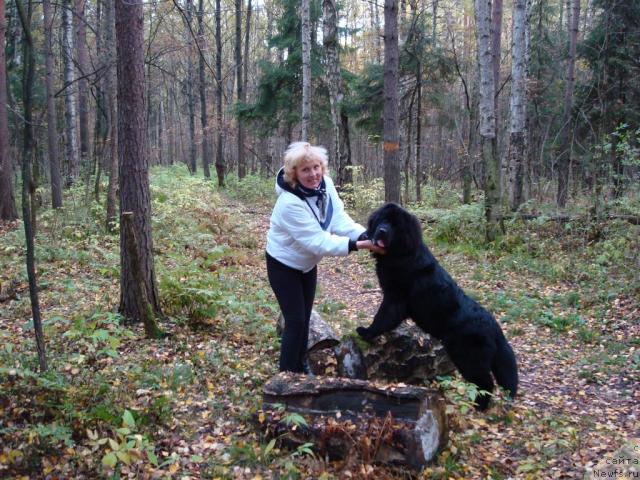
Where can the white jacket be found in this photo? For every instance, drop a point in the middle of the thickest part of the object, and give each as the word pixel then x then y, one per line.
pixel 295 236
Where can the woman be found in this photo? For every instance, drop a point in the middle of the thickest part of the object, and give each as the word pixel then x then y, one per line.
pixel 308 222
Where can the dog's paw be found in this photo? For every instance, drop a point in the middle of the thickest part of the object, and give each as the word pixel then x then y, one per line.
pixel 365 334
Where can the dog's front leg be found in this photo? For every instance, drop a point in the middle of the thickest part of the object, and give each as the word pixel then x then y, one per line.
pixel 392 311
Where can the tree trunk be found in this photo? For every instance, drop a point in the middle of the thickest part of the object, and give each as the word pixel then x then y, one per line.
pixel 52 133
pixel 134 163
pixel 83 84
pixel 496 47
pixel 487 119
pixel 390 108
pixel 191 99
pixel 8 209
pixel 27 184
pixel 220 163
pixel 517 132
pixel 340 122
pixel 434 14
pixel 71 139
pixel 162 133
pixel 306 69
pixel 139 288
pixel 206 152
pixel 245 71
pixel 419 127
pixel 242 162
pixel 564 154
pixel 471 104
pixel 112 115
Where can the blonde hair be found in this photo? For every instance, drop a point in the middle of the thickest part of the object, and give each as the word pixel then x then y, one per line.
pixel 299 152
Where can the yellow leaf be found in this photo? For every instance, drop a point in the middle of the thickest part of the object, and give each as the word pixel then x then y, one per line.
pixel 173 468
pixel 261 417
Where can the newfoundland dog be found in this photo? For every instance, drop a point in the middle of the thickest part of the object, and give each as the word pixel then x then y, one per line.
pixel 415 286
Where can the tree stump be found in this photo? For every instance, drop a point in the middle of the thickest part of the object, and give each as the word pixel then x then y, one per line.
pixel 391 424
pixel 406 354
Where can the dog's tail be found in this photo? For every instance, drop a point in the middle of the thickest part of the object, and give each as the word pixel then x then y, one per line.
pixel 505 367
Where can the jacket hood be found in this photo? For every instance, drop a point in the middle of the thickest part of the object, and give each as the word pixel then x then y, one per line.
pixel 282 186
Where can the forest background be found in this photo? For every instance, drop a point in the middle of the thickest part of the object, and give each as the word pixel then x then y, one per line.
pixel 511 130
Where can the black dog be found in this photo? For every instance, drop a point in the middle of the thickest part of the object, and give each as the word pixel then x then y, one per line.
pixel 415 286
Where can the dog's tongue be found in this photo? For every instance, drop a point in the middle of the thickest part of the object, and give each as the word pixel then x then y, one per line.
pixel 380 243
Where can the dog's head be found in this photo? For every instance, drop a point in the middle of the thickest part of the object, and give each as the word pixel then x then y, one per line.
pixel 395 229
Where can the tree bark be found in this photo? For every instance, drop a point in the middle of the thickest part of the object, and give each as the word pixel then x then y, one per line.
pixel 28 187
pixel 71 138
pixel 8 209
pixel 305 13
pixel 134 163
pixel 206 151
pixel 391 144
pixel 488 144
pixel 52 133
pixel 517 132
pixel 138 285
pixel 191 100
pixel 340 121
pixel 245 72
pixel 112 115
pixel 419 125
pixel 83 84
pixel 496 47
pixel 242 162
pixel 220 163
pixel 564 154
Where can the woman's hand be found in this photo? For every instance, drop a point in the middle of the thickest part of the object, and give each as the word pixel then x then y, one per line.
pixel 369 245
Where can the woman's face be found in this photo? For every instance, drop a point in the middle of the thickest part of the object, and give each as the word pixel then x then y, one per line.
pixel 309 173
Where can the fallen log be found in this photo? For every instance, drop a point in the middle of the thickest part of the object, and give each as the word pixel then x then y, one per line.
pixel 321 335
pixel 391 424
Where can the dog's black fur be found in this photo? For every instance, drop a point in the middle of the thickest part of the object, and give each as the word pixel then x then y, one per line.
pixel 415 286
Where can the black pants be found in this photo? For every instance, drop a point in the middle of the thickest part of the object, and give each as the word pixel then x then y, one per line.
pixel 295 292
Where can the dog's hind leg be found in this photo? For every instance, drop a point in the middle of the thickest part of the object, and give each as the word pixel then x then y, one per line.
pixel 473 360
pixel 391 313
pixel 505 368
pixel 480 375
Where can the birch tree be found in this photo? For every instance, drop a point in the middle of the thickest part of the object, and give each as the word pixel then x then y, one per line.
pixel 340 121
pixel 71 138
pixel 517 133
pixel 306 68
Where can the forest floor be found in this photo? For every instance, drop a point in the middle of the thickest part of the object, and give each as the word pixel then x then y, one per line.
pixel 117 405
